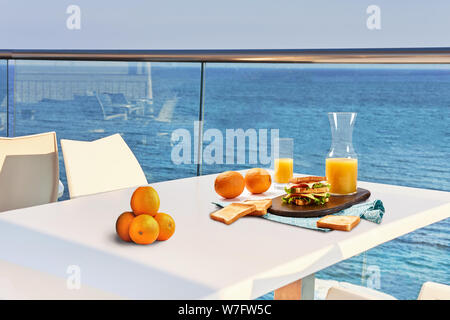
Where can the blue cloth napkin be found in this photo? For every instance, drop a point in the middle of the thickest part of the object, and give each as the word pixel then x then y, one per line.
pixel 372 211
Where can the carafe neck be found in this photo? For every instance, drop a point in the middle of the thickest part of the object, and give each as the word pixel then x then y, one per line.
pixel 341 125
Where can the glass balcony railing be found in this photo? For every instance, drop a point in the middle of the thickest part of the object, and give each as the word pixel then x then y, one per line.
pixel 401 136
pixel 143 102
pixel 163 109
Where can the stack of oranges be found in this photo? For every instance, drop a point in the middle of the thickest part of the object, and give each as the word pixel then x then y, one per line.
pixel 144 224
pixel 230 184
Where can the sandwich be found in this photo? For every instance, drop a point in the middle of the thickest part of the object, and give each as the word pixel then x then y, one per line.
pixel 303 191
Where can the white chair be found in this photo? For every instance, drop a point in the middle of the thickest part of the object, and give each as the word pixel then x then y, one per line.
pixel 434 291
pixel 29 171
pixel 102 165
pixel 346 291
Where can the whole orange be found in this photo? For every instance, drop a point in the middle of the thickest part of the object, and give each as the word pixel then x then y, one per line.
pixel 123 225
pixel 257 180
pixel 144 229
pixel 145 200
pixel 166 226
pixel 229 184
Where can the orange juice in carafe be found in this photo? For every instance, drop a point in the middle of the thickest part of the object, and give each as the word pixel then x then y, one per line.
pixel 342 174
pixel 341 164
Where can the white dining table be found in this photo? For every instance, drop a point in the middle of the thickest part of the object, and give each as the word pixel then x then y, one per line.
pixel 70 250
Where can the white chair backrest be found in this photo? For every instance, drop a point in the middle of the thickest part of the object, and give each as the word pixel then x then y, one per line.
pixel 348 291
pixel 102 165
pixel 29 171
pixel 434 291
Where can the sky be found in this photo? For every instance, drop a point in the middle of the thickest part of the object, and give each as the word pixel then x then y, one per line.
pixel 225 24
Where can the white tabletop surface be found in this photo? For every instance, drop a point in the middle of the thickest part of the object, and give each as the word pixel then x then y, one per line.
pixel 204 258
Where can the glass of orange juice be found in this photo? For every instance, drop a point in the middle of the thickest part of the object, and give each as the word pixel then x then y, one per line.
pixel 284 161
pixel 341 165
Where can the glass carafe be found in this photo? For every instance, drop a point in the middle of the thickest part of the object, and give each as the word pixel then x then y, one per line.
pixel 341 164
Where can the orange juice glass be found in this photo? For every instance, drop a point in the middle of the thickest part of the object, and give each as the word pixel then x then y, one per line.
pixel 342 174
pixel 284 170
pixel 283 161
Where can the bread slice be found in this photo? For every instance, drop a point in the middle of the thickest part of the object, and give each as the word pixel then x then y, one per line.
pixel 300 202
pixel 261 206
pixel 343 223
pixel 307 179
pixel 232 212
pixel 307 190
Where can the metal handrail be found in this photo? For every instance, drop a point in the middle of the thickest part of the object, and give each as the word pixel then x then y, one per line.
pixel 388 55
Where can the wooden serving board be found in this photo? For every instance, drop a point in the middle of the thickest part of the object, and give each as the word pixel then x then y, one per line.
pixel 335 204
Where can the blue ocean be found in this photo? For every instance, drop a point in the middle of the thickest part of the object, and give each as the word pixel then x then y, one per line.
pixel 401 136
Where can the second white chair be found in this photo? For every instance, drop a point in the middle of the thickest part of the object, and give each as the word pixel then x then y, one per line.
pixel 347 291
pixel 102 165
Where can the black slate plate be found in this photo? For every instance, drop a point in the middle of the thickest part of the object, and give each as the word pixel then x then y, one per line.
pixel 335 204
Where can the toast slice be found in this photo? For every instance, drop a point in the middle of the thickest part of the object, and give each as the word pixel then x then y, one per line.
pixel 300 202
pixel 343 223
pixel 307 179
pixel 307 190
pixel 232 212
pixel 261 206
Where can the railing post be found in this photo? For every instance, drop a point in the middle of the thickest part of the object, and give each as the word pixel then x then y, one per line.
pixel 10 98
pixel 200 119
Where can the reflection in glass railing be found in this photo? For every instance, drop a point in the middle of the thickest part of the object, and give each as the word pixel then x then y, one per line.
pixel 402 136
pixel 3 97
pixel 144 102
